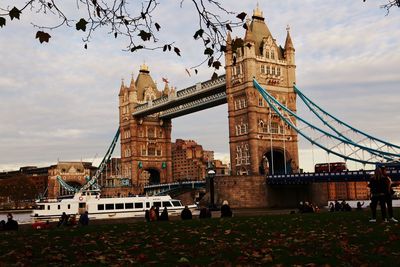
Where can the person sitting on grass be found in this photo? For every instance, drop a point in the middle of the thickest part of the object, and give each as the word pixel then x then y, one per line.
pixel 225 209
pixel 360 205
pixel 204 213
pixel 186 214
pixel 11 224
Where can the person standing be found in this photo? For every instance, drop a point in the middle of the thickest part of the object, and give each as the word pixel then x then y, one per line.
pixel 388 191
pixel 84 218
pixel 377 188
pixel 152 213
pixel 164 215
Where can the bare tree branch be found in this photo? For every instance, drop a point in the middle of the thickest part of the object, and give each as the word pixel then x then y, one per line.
pixel 136 24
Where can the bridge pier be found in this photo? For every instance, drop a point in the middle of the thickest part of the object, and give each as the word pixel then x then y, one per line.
pixel 253 192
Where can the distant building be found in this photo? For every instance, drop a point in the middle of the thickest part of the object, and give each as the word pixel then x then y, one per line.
pixel 348 190
pixel 22 187
pixel 74 174
pixel 221 169
pixel 189 160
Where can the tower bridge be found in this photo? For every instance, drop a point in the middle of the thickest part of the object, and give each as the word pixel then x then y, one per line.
pixel 264 127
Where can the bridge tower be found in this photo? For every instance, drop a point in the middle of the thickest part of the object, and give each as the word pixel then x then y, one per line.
pixel 145 141
pixel 259 141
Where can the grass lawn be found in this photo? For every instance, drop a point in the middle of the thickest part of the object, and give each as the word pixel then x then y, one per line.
pixel 324 239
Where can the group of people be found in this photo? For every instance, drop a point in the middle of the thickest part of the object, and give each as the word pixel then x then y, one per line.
pixel 341 206
pixel 69 220
pixel 154 215
pixel 380 185
pixel 307 207
pixel 11 224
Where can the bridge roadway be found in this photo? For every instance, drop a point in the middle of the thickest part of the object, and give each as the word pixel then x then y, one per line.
pixel 279 179
pixel 201 96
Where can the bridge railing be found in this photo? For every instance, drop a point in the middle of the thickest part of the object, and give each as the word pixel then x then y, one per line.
pixel 199 87
pixel 305 178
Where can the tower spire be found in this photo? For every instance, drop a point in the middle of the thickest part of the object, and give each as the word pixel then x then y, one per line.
pixel 288 42
pixel 257 13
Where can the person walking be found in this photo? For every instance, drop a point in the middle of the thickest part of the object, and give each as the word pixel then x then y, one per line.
pixel 388 191
pixel 377 188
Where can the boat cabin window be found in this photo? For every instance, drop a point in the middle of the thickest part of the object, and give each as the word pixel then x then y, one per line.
pixel 100 207
pixel 40 207
pixel 82 205
pixel 58 206
pixel 109 206
pixel 147 204
pixel 176 203
pixel 157 204
pixel 119 206
pixel 128 205
pixel 166 204
pixel 48 207
pixel 69 206
pixel 139 205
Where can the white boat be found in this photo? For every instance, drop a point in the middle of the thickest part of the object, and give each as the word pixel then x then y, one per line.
pixel 105 208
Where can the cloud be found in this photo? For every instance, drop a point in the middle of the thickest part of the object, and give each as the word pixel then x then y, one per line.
pixel 61 101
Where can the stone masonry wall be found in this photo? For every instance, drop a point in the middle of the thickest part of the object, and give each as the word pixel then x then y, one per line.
pixel 241 191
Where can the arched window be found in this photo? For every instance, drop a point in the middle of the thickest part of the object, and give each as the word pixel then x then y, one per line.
pixel 272 54
pixel 150 133
pixel 274 128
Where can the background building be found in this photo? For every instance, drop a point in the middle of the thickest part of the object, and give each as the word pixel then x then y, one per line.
pixel 189 160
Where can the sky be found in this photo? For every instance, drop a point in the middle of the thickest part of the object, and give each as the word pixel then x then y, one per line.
pixel 59 102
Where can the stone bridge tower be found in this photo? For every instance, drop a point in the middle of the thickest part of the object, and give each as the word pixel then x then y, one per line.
pixel 145 142
pixel 260 142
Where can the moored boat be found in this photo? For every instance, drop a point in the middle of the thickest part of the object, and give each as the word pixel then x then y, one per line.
pixel 105 208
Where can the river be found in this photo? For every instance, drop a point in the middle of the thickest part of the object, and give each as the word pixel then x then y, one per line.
pixel 22 217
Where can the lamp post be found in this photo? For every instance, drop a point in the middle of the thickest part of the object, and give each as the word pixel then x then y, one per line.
pixel 211 175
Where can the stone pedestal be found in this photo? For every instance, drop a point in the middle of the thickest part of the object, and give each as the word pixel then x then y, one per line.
pixel 253 192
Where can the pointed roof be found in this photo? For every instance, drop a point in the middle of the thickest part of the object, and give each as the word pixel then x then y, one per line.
pixel 228 37
pixel 166 88
pixel 249 37
pixel 259 29
pixel 143 81
pixel 258 13
pixel 288 42
pixel 122 88
pixel 132 86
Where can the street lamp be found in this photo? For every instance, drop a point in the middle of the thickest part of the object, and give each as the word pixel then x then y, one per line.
pixel 211 175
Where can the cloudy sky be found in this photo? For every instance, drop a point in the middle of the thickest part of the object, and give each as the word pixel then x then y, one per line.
pixel 60 102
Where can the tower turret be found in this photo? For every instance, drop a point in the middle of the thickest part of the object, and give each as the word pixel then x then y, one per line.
pixel 289 48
